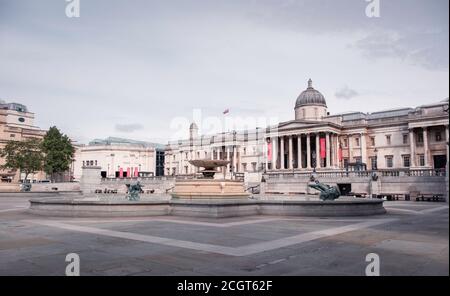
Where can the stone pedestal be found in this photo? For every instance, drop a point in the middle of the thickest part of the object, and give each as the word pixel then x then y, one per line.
pixel 90 179
pixel 209 189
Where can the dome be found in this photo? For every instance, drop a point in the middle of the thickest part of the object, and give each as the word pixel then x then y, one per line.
pixel 193 126
pixel 310 96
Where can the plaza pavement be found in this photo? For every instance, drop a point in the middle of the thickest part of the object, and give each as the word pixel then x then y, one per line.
pixel 411 239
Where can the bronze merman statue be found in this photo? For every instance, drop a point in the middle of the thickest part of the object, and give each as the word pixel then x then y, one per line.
pixel 133 191
pixel 327 192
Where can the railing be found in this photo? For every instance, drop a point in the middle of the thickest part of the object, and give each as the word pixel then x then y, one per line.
pixel 361 174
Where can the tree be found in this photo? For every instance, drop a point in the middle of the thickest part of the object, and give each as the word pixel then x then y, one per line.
pixel 25 156
pixel 58 151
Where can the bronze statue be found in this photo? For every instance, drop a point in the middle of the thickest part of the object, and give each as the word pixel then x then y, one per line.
pixel 327 192
pixel 133 191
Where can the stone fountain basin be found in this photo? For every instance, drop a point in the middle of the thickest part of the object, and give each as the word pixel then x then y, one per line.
pixel 205 208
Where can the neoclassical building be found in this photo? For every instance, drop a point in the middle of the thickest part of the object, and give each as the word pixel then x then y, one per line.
pixel 120 158
pixel 405 138
pixel 17 123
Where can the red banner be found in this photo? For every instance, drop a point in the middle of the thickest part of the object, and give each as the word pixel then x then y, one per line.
pixel 340 154
pixel 129 173
pixel 136 172
pixel 323 151
pixel 120 172
pixel 269 151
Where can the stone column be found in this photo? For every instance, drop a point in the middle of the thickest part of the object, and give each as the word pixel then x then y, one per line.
pixel 327 139
pixel 235 159
pixel 318 151
pixel 363 149
pixel 212 153
pixel 426 152
pixel 180 164
pixel 290 161
pixel 336 147
pixel 170 163
pixel 349 139
pixel 266 152
pixel 308 151
pixel 228 158
pixel 282 153
pixel 412 147
pixel 274 153
pixel 299 151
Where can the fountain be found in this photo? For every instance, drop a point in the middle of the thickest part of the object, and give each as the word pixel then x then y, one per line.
pixel 207 187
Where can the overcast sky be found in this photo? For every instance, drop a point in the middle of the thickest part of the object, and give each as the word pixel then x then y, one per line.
pixel 128 68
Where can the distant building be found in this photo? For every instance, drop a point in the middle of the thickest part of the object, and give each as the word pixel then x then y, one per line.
pixel 406 138
pixel 17 123
pixel 120 158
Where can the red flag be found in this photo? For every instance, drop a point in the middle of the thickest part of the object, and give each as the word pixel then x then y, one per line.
pixel 226 111
pixel 323 153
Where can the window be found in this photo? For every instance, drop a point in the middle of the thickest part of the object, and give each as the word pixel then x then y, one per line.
pixel 83 162
pixel 421 160
pixel 95 162
pixel 373 162
pixel 345 162
pixel 438 137
pixel 372 141
pixel 357 141
pixel 345 142
pixel 420 138
pixel 405 139
pixel 388 139
pixel 244 167
pixel 12 135
pixel 245 151
pixel 406 161
pixel 389 161
pixel 254 166
pixel 358 159
pixel 91 162
pixel 21 119
pixel 186 154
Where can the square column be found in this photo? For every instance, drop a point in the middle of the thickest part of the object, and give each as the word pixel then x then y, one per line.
pixel 349 137
pixel 282 154
pixel 299 151
pixel 327 139
pixel 426 151
pixel 336 154
pixel 266 151
pixel 412 147
pixel 308 151
pixel 235 159
pixel 290 161
pixel 363 149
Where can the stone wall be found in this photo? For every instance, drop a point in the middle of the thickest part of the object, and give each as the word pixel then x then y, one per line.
pixel 384 185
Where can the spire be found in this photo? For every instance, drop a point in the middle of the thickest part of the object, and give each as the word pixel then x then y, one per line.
pixel 310 83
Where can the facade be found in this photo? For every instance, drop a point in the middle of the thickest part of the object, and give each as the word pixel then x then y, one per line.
pixel 17 123
pixel 406 138
pixel 120 158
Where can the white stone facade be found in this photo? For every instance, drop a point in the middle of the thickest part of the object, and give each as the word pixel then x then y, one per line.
pixel 407 138
pixel 117 158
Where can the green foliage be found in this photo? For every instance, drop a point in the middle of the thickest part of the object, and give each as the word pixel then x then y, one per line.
pixel 25 156
pixel 58 151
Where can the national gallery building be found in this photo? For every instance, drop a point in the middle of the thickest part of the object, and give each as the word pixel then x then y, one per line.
pixel 406 139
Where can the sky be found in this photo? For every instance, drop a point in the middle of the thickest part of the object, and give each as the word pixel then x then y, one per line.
pixel 145 69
